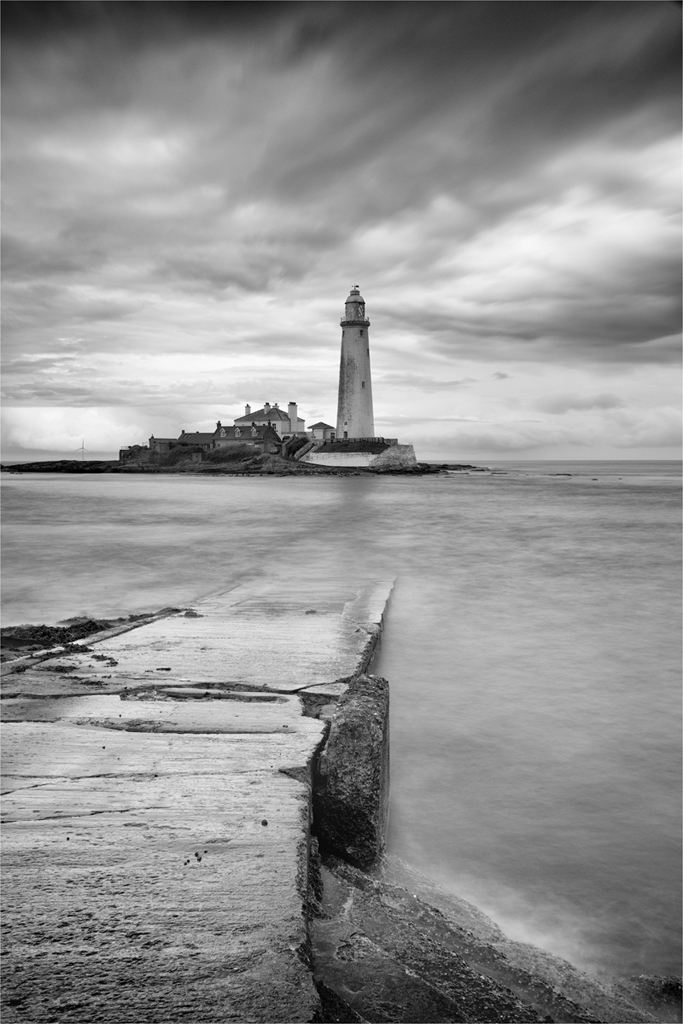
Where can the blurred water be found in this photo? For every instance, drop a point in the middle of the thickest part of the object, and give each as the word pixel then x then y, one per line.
pixel 532 646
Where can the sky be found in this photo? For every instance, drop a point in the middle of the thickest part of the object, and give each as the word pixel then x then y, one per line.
pixel 190 190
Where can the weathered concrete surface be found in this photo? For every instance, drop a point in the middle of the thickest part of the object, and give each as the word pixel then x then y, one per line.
pixel 351 787
pixel 157 814
pixel 160 876
pixel 250 637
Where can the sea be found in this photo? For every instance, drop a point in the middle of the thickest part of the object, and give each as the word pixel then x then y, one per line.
pixel 532 644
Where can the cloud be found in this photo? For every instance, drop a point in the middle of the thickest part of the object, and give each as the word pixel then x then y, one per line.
pixel 659 431
pixel 420 382
pixel 65 429
pixel 559 404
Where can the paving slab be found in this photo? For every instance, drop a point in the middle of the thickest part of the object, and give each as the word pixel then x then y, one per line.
pixel 320 633
pixel 157 824
pixel 161 855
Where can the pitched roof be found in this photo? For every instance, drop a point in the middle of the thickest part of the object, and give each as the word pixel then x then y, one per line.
pixel 246 432
pixel 328 426
pixel 263 414
pixel 196 438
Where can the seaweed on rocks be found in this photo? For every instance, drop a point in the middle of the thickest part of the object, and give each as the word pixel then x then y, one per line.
pixel 26 637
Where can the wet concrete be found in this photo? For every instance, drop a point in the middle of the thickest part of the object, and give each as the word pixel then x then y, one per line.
pixel 394 947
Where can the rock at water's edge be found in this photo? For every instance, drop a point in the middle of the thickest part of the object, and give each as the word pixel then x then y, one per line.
pixel 351 787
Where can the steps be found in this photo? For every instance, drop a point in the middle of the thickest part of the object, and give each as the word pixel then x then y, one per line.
pixel 310 446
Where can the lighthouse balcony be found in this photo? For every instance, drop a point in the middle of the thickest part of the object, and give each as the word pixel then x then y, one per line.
pixel 353 323
pixel 374 445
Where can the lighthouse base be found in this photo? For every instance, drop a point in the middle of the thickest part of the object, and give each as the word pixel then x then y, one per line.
pixel 363 455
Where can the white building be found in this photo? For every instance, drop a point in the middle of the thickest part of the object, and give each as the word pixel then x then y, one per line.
pixel 322 431
pixel 285 423
pixel 355 444
pixel 354 408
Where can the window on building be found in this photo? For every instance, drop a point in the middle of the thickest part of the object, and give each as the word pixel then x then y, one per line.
pixel 238 432
pixel 362 383
pixel 361 333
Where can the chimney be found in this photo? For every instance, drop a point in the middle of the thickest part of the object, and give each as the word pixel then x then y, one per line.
pixel 293 417
pixel 266 407
pixel 276 406
pixel 247 410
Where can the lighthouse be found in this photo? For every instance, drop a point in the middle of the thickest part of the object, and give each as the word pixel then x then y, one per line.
pixel 354 408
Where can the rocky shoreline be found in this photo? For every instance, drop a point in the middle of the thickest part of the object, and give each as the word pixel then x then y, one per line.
pixel 260 465
pixel 389 945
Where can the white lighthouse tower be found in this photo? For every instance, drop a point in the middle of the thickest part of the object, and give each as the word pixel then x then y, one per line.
pixel 354 409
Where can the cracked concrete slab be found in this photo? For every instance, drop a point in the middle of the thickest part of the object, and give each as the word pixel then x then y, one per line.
pixel 170 865
pixel 157 824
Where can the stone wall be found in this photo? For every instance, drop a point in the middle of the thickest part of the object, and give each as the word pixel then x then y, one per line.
pixel 342 460
pixel 392 457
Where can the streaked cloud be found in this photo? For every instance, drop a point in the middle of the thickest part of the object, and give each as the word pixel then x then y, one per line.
pixel 421 382
pixel 559 404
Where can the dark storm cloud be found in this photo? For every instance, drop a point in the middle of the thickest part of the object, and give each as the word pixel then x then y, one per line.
pixel 133 22
pixel 165 159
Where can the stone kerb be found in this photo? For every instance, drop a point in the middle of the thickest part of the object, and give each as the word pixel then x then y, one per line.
pixel 351 784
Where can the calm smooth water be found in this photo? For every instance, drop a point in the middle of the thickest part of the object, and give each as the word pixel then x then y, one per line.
pixel 532 646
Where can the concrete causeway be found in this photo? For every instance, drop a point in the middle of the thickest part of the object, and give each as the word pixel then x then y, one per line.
pixel 166 786
pixel 157 807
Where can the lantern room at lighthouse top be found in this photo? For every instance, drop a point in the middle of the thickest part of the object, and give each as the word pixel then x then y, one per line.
pixel 354 311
